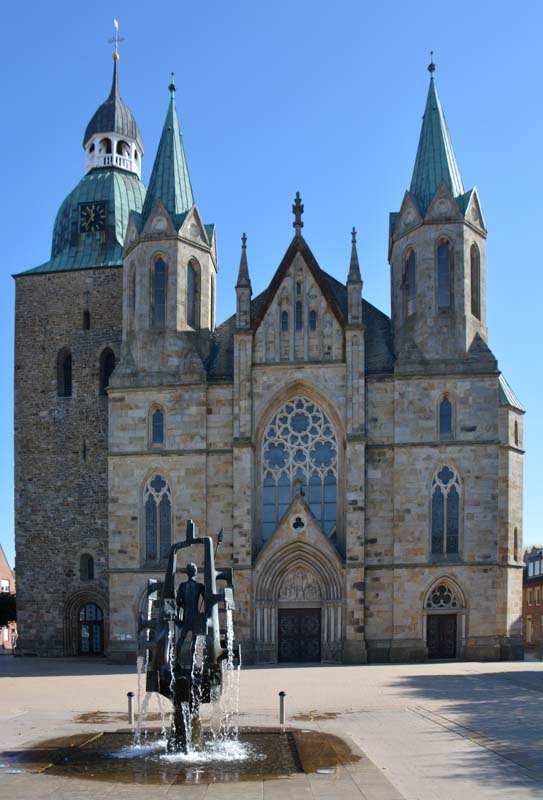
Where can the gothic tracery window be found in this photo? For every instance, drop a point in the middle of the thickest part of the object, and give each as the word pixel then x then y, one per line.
pixel 299 453
pixel 157 503
pixel 445 513
pixel 443 596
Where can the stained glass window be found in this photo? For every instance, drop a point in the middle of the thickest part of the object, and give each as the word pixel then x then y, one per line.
pixel 312 320
pixel 299 317
pixel 191 296
pixel 475 281
pixel 284 320
pixel 410 284
pixel 299 451
pixel 159 292
pixel 443 276
pixel 157 427
pixel 445 512
pixel 445 418
pixel 158 519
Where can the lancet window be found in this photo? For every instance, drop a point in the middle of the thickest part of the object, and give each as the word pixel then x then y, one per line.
pixel 107 365
pixel 445 512
pixel 64 373
pixel 299 454
pixel 193 296
pixel 157 503
pixel 444 275
pixel 445 418
pixel 157 426
pixel 158 310
pixel 410 284
pixel 475 281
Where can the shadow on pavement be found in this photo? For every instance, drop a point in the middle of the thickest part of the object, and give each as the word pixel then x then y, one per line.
pixel 35 667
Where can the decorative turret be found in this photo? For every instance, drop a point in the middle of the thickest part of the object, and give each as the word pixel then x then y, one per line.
pixel 170 180
pixel 437 255
pixel 112 138
pixel 243 289
pixel 354 285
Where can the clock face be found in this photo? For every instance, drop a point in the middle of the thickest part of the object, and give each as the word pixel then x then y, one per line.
pixel 92 217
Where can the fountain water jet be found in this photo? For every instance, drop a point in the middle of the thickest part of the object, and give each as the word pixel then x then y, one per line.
pixel 212 674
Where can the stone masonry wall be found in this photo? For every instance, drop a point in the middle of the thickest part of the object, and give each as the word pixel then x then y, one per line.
pixel 61 451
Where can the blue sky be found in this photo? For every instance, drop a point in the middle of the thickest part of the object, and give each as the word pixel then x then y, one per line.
pixel 322 98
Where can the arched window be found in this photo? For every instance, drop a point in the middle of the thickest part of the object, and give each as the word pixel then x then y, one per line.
pixel 64 373
pixel 105 146
pixel 299 452
pixel 157 426
pixel 158 294
pixel 86 320
pixel 284 320
pixel 443 275
pixel 475 281
pixel 409 284
pixel 157 505
pixel 107 365
pixel 312 320
pixel 299 317
pixel 212 304
pixel 132 294
pixel 123 148
pixel 86 567
pixel 445 418
pixel 445 513
pixel 193 296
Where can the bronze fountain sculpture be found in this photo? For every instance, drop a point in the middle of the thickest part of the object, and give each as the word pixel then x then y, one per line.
pixel 187 676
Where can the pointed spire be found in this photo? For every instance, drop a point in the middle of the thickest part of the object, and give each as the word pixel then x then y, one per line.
pixel 354 267
pixel 170 180
pixel 243 274
pixel 114 116
pixel 435 161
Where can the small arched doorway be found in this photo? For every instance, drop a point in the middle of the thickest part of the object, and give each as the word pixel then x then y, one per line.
pixel 445 611
pixel 90 630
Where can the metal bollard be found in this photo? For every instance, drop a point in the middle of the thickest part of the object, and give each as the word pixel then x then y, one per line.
pixel 130 696
pixel 282 696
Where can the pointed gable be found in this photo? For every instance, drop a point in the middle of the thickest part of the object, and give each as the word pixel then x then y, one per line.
pixel 435 161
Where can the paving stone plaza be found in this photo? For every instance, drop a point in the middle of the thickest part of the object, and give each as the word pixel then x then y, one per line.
pixel 415 732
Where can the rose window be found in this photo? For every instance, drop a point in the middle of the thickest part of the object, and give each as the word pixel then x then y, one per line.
pixel 299 453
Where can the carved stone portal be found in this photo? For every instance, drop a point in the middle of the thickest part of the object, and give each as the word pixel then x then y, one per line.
pixel 299 585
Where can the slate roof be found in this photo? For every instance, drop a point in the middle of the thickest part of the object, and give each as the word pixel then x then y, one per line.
pixel 435 161
pixel 508 397
pixel 122 192
pixel 170 180
pixel 114 116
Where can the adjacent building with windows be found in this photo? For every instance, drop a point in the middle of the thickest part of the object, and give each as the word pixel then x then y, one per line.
pixel 8 633
pixel 532 593
pixel 366 469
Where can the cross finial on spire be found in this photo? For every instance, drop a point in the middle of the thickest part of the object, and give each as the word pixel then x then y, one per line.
pixel 244 240
pixel 298 210
pixel 431 65
pixel 353 235
pixel 116 39
pixel 171 87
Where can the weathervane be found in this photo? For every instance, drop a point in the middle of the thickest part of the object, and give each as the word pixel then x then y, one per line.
pixel 116 39
pixel 431 65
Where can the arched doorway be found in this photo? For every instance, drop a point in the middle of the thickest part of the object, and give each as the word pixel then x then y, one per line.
pixel 445 610
pixel 90 630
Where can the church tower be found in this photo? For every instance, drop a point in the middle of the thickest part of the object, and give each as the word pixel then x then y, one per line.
pixel 170 266
pixel 437 254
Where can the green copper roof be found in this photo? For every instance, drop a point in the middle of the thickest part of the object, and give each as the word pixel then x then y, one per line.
pixel 435 160
pixel 508 397
pixel 122 192
pixel 114 116
pixel 170 181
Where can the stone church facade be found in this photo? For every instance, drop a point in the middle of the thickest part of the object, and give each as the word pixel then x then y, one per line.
pixel 366 470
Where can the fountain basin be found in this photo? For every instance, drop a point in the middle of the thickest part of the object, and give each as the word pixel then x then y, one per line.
pixel 112 757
